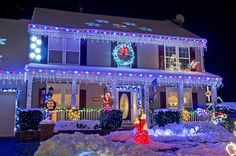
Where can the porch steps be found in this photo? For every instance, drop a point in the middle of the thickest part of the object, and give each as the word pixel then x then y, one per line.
pixel 127 125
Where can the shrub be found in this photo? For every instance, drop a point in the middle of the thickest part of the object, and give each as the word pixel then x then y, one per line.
pixel 110 119
pixel 166 116
pixel 30 119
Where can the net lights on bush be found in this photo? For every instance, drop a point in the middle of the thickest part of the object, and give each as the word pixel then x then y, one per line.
pixel 141 128
pixel 35 48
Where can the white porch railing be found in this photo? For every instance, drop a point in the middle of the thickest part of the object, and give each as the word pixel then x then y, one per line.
pixel 194 117
pixel 69 114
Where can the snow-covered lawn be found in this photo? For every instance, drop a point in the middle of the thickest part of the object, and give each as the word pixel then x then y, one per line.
pixel 195 138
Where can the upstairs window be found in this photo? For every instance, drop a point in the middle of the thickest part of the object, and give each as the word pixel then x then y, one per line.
pixel 176 58
pixel 64 51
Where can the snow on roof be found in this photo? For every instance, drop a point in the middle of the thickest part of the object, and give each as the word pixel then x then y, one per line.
pixel 228 105
pixel 103 22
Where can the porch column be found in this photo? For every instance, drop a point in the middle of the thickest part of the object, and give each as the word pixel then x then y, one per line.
pixel 29 92
pixel 113 92
pixel 181 96
pixel 146 102
pixel 213 96
pixel 73 93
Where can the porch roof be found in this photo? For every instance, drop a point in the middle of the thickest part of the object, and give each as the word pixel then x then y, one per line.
pixel 110 74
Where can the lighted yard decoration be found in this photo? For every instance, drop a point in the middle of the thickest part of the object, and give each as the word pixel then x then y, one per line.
pixel 141 128
pixel 192 66
pixel 2 41
pixel 173 64
pixel 107 100
pixel 208 94
pixel 231 149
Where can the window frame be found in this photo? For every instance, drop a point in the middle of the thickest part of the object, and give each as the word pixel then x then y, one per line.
pixel 173 89
pixel 64 51
pixel 177 51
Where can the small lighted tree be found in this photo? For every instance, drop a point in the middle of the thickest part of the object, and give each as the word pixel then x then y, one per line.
pixel 141 128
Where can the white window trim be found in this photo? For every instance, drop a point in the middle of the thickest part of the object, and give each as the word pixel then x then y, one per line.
pixel 173 89
pixel 177 54
pixel 64 50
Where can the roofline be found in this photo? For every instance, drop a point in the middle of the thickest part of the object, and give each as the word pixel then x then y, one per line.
pixel 122 36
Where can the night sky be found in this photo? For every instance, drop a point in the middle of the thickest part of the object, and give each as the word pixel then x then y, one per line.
pixel 215 21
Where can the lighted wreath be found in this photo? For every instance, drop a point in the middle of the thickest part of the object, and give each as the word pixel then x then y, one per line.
pixel 123 54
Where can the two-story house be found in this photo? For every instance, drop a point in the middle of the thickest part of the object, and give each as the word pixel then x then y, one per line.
pixel 81 55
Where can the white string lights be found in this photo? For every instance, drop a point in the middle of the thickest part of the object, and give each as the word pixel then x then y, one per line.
pixel 96 34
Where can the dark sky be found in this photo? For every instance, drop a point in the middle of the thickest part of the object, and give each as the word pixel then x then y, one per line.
pixel 213 20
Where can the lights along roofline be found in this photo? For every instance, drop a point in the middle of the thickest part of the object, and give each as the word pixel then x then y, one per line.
pixel 116 34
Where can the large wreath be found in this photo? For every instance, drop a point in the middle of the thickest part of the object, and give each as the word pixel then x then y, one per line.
pixel 123 54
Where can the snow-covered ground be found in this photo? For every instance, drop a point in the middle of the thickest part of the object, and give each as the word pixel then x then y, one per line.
pixel 205 139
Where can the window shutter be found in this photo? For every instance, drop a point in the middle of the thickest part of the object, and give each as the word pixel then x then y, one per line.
pixel 44 49
pixel 163 99
pixel 113 62
pixel 192 53
pixel 134 65
pixel 195 100
pixel 161 57
pixel 83 51
pixel 192 57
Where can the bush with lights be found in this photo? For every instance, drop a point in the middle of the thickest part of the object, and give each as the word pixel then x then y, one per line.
pixel 164 117
pixel 111 119
pixel 30 119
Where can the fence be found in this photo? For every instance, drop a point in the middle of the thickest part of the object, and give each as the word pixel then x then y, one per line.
pixel 194 116
pixel 70 114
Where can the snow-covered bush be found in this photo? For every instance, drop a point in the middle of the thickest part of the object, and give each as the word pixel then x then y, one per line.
pixel 165 116
pixel 111 119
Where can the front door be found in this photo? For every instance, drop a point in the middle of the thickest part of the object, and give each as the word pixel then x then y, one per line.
pixel 125 104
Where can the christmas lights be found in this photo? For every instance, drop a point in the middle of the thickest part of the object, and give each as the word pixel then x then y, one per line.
pixel 123 54
pixel 118 36
pixel 231 149
pixel 35 46
pixel 107 100
pixel 185 115
pixel 141 128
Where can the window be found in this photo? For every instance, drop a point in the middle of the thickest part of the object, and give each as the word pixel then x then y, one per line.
pixel 176 58
pixel 184 58
pixel 63 94
pixel 64 50
pixel 172 98
pixel 169 52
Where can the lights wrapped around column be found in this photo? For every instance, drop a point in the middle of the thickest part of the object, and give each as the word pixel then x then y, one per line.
pixel 141 128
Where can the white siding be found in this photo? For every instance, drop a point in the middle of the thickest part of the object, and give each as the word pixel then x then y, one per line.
pixel 98 53
pixel 93 90
pixel 147 56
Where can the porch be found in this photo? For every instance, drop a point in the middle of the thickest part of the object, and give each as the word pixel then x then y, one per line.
pixel 116 80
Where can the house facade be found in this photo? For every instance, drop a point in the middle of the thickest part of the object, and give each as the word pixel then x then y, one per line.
pixel 143 63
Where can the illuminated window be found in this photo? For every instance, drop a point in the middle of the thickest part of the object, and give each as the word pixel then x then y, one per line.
pixel 63 95
pixel 177 56
pixel 172 98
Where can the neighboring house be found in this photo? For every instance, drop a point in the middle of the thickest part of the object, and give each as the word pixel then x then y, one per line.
pixel 81 55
